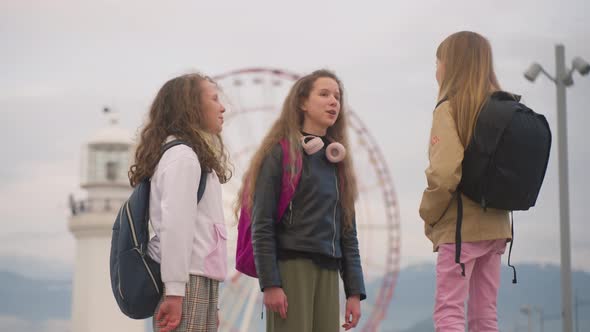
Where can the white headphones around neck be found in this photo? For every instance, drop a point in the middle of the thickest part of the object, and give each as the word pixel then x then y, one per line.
pixel 335 152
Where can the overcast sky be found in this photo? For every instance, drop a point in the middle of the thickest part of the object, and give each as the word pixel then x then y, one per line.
pixel 62 61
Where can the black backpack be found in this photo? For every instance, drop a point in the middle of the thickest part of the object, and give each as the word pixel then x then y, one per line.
pixel 135 278
pixel 504 164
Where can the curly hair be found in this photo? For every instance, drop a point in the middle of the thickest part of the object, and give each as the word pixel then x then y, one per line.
pixel 177 111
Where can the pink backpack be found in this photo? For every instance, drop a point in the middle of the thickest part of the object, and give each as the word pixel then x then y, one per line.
pixel 244 251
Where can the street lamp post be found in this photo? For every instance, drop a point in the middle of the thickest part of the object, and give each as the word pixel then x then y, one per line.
pixel 528 310
pixel 539 310
pixel 579 303
pixel 563 79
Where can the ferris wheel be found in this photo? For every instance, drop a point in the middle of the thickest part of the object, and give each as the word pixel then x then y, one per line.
pixel 254 100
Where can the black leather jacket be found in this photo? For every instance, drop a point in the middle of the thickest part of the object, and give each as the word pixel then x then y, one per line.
pixel 312 223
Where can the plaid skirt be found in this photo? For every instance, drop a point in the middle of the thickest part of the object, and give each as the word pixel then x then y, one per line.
pixel 199 307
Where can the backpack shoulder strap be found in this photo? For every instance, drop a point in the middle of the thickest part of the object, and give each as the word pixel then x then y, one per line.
pixel 440 102
pixel 172 144
pixel 202 186
pixel 287 186
pixel 202 180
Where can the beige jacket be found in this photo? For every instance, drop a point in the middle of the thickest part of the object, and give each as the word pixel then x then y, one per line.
pixel 438 208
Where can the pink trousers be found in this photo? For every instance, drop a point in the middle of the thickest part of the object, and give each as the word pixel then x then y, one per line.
pixel 479 287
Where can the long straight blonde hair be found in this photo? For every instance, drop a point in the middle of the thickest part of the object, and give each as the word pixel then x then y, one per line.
pixel 288 126
pixel 468 78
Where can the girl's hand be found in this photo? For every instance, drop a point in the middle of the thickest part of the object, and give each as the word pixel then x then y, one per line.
pixel 170 313
pixel 353 312
pixel 276 300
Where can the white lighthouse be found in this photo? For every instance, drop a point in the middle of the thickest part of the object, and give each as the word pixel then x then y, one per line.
pixel 105 163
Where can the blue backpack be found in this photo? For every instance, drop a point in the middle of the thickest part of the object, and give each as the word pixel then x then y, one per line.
pixel 135 277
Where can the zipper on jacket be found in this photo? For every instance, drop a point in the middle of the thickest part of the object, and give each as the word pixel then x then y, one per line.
pixel 291 213
pixel 335 207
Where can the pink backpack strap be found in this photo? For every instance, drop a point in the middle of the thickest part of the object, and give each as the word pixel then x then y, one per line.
pixel 288 189
pixel 244 251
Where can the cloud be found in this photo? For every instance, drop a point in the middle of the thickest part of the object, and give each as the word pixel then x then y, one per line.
pixel 34 222
pixel 64 61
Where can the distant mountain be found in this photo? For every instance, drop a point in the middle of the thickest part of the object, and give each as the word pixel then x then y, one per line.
pixel 34 300
pixel 37 300
pixel 422 326
pixel 36 268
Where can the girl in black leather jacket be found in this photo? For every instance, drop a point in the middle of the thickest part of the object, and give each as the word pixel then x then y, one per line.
pixel 298 258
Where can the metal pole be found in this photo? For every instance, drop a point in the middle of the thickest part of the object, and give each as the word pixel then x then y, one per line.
pixel 566 271
pixel 576 311
pixel 528 310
